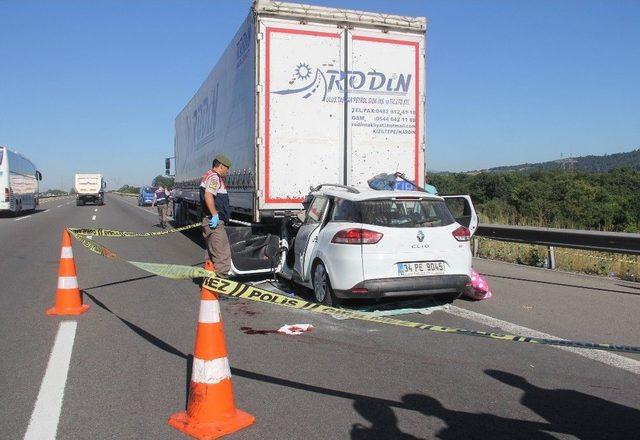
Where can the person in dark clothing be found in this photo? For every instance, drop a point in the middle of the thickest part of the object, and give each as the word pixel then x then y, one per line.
pixel 216 214
pixel 161 200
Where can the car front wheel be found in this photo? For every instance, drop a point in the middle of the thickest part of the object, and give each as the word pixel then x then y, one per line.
pixel 322 290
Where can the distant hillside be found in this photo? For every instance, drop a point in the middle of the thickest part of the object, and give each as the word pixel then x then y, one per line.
pixel 594 164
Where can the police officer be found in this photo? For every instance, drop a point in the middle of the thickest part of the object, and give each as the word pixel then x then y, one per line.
pixel 214 200
pixel 160 200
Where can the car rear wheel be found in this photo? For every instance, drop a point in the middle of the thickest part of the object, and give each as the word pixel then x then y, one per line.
pixel 322 290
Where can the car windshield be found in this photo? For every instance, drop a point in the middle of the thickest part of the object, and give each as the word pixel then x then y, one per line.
pixel 398 213
pixel 148 189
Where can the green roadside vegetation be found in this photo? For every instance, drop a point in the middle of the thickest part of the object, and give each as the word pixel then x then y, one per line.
pixel 129 189
pixel 608 201
pixel 559 199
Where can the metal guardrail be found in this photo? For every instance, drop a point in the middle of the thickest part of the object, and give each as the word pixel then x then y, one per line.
pixel 618 242
pixel 53 197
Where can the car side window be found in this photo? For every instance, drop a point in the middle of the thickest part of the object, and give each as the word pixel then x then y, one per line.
pixel 458 207
pixel 316 209
pixel 345 211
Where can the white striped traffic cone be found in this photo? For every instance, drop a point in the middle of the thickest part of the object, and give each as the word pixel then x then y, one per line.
pixel 211 410
pixel 68 297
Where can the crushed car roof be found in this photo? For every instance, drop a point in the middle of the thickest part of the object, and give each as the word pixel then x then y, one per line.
pixel 365 193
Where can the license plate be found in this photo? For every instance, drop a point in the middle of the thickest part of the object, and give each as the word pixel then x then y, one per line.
pixel 420 268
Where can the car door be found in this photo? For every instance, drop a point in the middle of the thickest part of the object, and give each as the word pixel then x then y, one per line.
pixel 307 237
pixel 463 211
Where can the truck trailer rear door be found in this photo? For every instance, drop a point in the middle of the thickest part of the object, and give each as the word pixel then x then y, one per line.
pixel 301 116
pixel 385 106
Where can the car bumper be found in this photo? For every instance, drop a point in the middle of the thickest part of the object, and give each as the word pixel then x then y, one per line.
pixel 407 286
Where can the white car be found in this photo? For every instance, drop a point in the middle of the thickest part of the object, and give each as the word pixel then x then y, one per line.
pixel 365 243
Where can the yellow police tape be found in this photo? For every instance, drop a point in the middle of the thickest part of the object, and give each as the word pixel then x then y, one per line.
pixel 238 290
pixel 101 232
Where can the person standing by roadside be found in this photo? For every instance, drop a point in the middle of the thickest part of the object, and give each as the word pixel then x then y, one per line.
pixel 161 200
pixel 216 214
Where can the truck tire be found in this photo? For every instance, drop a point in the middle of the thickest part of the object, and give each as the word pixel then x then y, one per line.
pixel 179 216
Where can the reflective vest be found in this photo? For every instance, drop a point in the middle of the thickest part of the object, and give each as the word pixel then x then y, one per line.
pixel 161 197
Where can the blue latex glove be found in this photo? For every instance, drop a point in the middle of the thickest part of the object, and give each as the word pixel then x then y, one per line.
pixel 213 223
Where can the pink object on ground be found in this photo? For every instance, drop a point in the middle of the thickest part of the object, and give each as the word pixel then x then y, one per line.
pixel 479 288
pixel 295 329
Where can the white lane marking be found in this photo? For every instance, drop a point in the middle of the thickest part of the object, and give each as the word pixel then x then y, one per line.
pixel 68 203
pixel 605 357
pixel 28 216
pixel 90 237
pixel 95 210
pixel 46 413
pixel 93 218
pixel 59 206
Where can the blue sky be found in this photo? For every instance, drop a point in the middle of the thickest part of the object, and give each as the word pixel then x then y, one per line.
pixel 96 85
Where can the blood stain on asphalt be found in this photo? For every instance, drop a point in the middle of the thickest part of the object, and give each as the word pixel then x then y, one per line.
pixel 251 331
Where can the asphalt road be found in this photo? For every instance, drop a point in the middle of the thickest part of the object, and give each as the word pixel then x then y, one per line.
pixel 129 364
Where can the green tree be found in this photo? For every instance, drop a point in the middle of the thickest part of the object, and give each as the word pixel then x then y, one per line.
pixel 129 189
pixel 551 198
pixel 167 182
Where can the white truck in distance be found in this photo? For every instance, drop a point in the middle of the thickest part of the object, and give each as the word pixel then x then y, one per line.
pixel 89 188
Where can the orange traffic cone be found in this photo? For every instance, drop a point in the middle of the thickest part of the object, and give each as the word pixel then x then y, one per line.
pixel 68 297
pixel 211 410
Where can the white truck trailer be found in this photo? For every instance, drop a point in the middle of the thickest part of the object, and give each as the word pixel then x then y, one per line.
pixel 305 95
pixel 89 188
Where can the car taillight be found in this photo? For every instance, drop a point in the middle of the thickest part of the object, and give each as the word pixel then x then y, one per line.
pixel 462 234
pixel 356 236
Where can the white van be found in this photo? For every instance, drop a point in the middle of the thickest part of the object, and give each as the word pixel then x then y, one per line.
pixel 18 182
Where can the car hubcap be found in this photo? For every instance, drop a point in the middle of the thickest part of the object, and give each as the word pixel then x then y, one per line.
pixel 320 283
